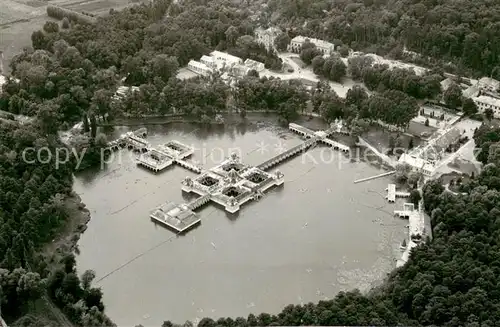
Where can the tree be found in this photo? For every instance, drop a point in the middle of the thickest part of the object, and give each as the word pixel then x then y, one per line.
pixel 469 107
pixel 356 96
pixel 357 65
pixel 308 52
pixel 392 144
pixel 338 69
pixel 317 63
pixel 453 96
pixel 87 278
pixel 488 113
pixel 281 42
pixel 30 286
pixel 232 35
pixel 343 51
pixel 163 66
pixel 402 172
pixel 48 117
pixel 86 126
pixel 51 27
pixel 65 23
pixel 93 126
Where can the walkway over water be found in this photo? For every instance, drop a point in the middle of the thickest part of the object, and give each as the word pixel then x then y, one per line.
pixel 198 202
pixel 230 184
pixel 287 154
pixel 392 194
pixel 374 177
pixel 312 139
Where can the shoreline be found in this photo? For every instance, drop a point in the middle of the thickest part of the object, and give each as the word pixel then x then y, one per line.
pixel 67 240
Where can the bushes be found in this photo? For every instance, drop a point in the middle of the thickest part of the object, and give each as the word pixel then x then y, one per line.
pixel 72 16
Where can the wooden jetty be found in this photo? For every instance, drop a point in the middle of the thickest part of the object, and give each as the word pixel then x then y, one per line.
pixel 374 177
pixel 287 154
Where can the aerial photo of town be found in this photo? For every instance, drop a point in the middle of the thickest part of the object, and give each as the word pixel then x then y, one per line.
pixel 244 163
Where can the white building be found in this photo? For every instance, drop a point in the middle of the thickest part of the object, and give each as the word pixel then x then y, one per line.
pixel 199 68
pixel 488 84
pixel 298 41
pixel 239 70
pixel 208 61
pixel 267 37
pixel 484 86
pixel 224 60
pixel 122 91
pixel 484 102
pixel 252 64
pixel 417 164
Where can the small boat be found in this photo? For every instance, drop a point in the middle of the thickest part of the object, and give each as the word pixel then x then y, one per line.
pixel 403 245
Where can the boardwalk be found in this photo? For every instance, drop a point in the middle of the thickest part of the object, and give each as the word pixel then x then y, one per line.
pixel 374 177
pixel 287 154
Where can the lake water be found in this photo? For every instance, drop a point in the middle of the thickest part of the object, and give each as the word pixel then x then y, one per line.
pixel 305 241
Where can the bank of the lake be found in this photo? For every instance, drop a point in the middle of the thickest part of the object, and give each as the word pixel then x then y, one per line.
pixel 318 234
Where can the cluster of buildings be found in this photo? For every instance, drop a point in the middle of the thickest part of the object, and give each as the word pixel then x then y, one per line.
pixel 485 93
pixel 416 229
pixel 268 36
pixel 223 62
pixel 425 159
pixel 297 42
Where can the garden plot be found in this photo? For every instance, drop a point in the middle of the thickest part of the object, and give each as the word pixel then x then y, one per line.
pixel 14 11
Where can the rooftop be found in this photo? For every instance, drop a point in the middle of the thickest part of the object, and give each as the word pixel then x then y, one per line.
pixel 449 137
pixel 271 30
pixel 489 82
pixel 317 42
pixel 487 100
pixel 252 63
pixel 198 64
pixel 225 56
pixel 416 162
pixel 471 91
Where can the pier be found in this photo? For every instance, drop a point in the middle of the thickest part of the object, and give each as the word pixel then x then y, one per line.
pixel 320 136
pixel 374 177
pixel 188 165
pixel 287 154
pixel 155 160
pixel 133 140
pixel 199 202
pixel 392 194
pixel 230 184
pixel 334 144
pixel 416 228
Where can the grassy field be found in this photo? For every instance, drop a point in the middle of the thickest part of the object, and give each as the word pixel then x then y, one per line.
pixel 20 18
